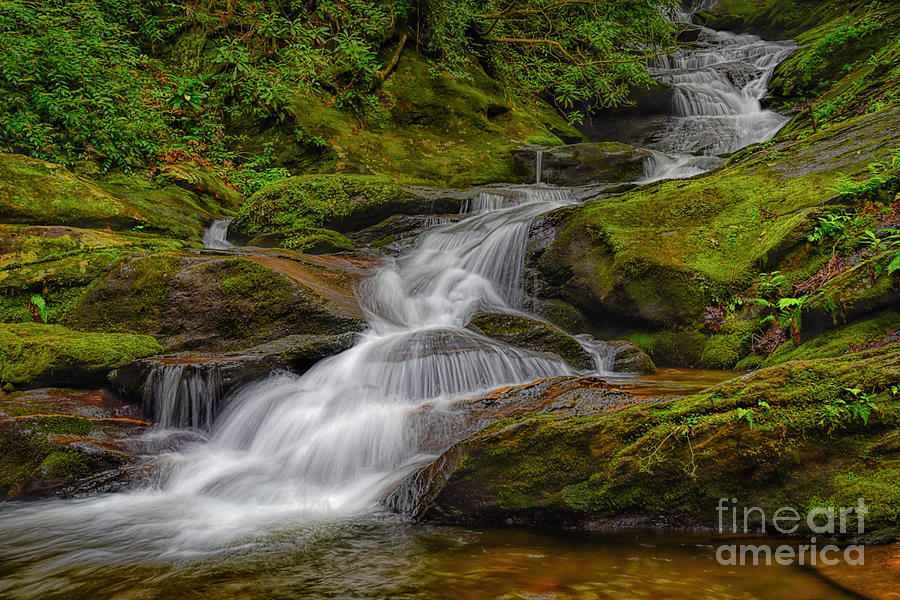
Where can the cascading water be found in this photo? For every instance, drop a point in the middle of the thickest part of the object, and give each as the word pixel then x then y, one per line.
pixel 717 88
pixel 337 439
pixel 215 236
pixel 538 166
pixel 182 396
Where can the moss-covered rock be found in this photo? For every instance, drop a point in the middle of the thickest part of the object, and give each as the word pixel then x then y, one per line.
pixel 192 302
pixel 38 355
pixel 660 254
pixel 531 334
pixel 627 357
pixel 58 263
pixel 881 329
pixel 339 202
pixel 582 164
pixel 790 435
pixel 861 290
pixel 37 192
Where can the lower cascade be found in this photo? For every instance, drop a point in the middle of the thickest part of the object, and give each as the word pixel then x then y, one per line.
pixel 336 440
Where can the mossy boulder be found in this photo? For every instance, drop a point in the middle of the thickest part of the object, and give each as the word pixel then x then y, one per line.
pixel 58 263
pixel 783 436
pixel 862 290
pixel 531 334
pixel 310 240
pixel 35 355
pixel 583 164
pixel 192 302
pixel 339 202
pixel 658 255
pixel 625 357
pixel 37 192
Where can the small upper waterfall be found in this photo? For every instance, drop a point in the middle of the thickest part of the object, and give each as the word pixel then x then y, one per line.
pixel 717 88
pixel 215 236
pixel 538 167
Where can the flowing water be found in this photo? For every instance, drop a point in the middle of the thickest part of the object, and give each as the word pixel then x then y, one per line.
pixel 716 107
pixel 335 441
pixel 283 498
pixel 215 236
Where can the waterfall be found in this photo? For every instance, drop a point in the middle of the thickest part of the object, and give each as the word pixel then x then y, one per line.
pixel 538 159
pixel 338 439
pixel 182 395
pixel 717 88
pixel 215 236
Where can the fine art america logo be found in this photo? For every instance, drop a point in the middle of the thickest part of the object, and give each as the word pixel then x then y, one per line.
pixel 829 521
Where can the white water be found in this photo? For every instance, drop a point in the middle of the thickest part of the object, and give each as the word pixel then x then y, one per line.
pixel 182 396
pixel 716 106
pixel 538 166
pixel 215 236
pixel 337 440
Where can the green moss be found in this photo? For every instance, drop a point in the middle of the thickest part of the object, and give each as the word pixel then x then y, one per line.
pixel 61 465
pixel 660 254
pixel 31 351
pixel 532 334
pixel 318 201
pixel 844 339
pixel 671 348
pixel 317 241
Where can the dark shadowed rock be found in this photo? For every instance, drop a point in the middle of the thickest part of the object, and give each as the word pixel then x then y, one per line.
pixel 581 164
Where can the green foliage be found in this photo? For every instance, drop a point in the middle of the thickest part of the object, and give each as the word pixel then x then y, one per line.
pixel 127 82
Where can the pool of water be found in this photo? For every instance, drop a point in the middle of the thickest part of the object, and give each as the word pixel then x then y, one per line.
pixel 385 557
pixel 670 381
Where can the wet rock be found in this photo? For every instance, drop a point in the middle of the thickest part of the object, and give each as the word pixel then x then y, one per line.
pixel 210 302
pixel 531 334
pixel 340 202
pixel 577 397
pixel 628 358
pixel 630 465
pixel 398 233
pixel 65 443
pixel 581 164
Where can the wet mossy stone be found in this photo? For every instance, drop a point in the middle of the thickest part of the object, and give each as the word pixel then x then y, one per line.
pixel 339 202
pixel 628 358
pixel 531 334
pixel 781 436
pixel 656 256
pixel 38 192
pixel 35 355
pixel 582 164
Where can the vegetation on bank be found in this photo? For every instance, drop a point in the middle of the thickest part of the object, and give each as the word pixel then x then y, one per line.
pixel 259 88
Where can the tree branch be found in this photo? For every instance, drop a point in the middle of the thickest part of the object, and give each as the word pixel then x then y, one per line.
pixel 393 62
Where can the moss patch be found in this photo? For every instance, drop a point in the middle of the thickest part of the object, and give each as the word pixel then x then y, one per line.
pixel 40 354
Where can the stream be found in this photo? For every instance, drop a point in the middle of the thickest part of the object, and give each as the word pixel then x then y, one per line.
pixel 283 500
